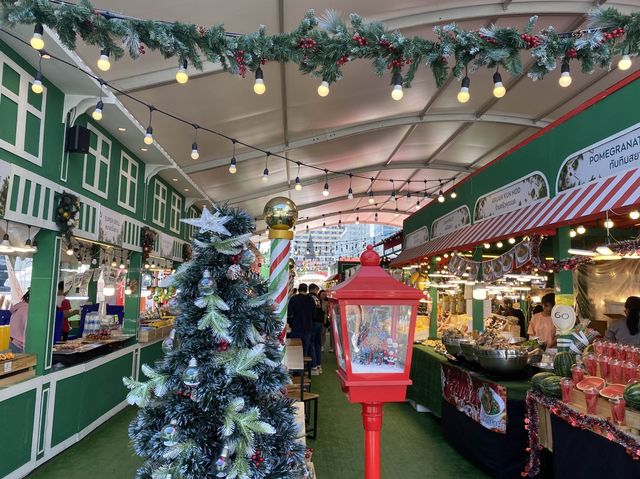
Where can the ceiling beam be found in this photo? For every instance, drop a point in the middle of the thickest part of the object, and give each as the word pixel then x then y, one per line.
pixel 162 77
pixel 369 127
pixel 283 187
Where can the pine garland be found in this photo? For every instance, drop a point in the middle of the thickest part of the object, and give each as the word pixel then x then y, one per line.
pixel 320 47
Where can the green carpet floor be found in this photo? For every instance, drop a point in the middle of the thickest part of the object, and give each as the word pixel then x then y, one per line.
pixel 412 444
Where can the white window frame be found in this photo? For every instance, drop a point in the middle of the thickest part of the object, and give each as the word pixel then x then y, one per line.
pixel 23 108
pixel 130 179
pixel 175 213
pixel 158 188
pixel 99 160
pixel 191 214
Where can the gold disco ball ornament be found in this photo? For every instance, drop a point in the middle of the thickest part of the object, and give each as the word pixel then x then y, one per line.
pixel 280 214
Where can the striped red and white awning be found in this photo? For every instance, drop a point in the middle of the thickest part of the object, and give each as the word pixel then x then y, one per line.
pixel 585 202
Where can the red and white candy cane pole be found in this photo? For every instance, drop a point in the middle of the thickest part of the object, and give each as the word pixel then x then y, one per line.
pixel 280 215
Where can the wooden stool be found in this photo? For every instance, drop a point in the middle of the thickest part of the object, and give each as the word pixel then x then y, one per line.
pixel 307 365
pixel 306 382
pixel 308 398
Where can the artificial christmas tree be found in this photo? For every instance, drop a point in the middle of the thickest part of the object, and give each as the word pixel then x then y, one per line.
pixel 216 405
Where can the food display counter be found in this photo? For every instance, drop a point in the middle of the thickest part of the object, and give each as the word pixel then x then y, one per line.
pixel 76 351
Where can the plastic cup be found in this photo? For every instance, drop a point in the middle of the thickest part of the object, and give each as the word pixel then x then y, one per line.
pixel 577 373
pixel 599 346
pixel 629 371
pixel 608 349
pixel 591 400
pixel 566 385
pixel 591 364
pixel 615 371
pixel 618 408
pixel 619 351
pixel 635 354
pixel 603 366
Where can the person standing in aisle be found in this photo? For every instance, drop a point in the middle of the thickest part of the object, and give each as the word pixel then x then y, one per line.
pixel 300 316
pixel 324 301
pixel 509 310
pixel 317 330
pixel 18 324
pixel 64 305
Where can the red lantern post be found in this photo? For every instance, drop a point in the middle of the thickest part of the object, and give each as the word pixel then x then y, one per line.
pixel 373 318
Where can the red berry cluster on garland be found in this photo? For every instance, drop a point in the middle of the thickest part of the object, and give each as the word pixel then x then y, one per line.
pixel 531 41
pixel 238 56
pixel 342 60
pixel 222 346
pixel 362 41
pixel 187 392
pixel 399 63
pixel 614 34
pixel 307 43
pixel 386 44
pixel 235 258
pixel 141 50
pixel 257 458
pixel 572 53
pixel 488 39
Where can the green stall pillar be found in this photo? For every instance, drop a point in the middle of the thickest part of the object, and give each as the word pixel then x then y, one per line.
pixel 477 305
pixel 433 294
pixel 42 299
pixel 132 301
pixel 563 280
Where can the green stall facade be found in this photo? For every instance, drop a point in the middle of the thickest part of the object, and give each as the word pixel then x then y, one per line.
pixel 44 415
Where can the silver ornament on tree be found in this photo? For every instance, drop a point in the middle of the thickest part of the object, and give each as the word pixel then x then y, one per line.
pixel 170 434
pixel 169 343
pixel 191 375
pixel 207 284
pixel 222 463
pixel 234 272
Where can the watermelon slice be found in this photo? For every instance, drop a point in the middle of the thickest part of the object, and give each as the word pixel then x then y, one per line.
pixel 612 390
pixel 591 382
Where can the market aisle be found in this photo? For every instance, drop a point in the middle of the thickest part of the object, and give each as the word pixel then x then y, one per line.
pixel 412 444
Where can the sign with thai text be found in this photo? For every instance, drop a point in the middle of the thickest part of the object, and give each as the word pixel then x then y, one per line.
pixel 512 197
pixel 611 156
pixel 451 222
pixel 417 238
pixel 110 226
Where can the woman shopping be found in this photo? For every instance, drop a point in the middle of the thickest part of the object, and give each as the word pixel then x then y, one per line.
pixel 626 331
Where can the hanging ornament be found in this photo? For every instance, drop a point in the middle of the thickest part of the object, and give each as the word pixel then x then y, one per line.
pixel 170 433
pixel 235 258
pixel 221 463
pixel 191 375
pixel 169 342
pixel 207 284
pixel 222 346
pixel 234 272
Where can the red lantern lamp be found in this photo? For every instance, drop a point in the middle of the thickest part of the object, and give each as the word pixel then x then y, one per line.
pixel 373 318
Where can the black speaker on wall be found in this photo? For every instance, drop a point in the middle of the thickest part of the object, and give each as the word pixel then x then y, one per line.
pixel 77 139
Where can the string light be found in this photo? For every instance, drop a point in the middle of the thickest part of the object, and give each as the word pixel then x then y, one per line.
pixel 498 88
pixel 512 241
pixel 572 233
pixel 499 244
pixel 487 246
pixel 376 216
pixel 634 215
pixel 37 40
pixel 325 190
pixel 265 172
pixel 97 113
pixel 397 92
pixel 581 230
pixel 233 164
pixel 396 213
pixel 148 136
pixel 298 186
pixel 565 76
pixel 323 89
pixel 195 154
pixel 440 194
pixel 463 94
pixel 393 189
pixel 608 224
pixel 259 87
pixel 103 62
pixel 623 64
pixel 36 86
pixel 357 220
pixel 454 195
pixel 114 263
pixel 182 76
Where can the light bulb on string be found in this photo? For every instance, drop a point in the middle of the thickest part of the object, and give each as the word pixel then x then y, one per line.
pixel 397 92
pixel 487 246
pixel 114 263
pixel 357 220
pixel 512 241
pixel 37 40
pixel 195 154
pixel 325 190
pixel 36 86
pixel 581 230
pixel 463 94
pixel 624 63
pixel 371 200
pixel 97 113
pixel 182 76
pixel 572 233
pixel 441 197
pixel 499 244
pixel 608 224
pixel 265 172
pixel 323 89
pixel 565 75
pixel 148 136
pixel 259 87
pixel 498 88
pixel 70 251
pixel 350 191
pixel 233 164
pixel 634 215
pixel 103 62
pixel 298 185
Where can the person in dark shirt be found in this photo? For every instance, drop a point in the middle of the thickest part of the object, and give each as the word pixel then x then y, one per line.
pixel 316 330
pixel 509 310
pixel 300 313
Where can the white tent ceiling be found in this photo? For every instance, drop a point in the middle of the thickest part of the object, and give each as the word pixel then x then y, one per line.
pixel 358 127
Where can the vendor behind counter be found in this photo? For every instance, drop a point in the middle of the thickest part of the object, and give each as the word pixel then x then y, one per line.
pixel 627 330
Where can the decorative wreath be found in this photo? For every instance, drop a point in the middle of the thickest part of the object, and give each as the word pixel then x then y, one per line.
pixel 67 214
pixel 148 242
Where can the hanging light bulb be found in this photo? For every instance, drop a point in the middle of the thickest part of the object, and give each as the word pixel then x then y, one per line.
pixel 357 220
pixel 121 265
pixel 572 233
pixel 148 136
pixel 195 154
pixel 487 246
pixel 182 76
pixel 376 216
pixel 69 249
pixel 323 89
pixel 512 241
pixel 114 263
pixel 441 197
pixel 396 213
pixel 325 190
pixel 634 215
pixel 147 266
pixel 259 87
pixel 350 194
pixel 397 92
pixel 608 224
pixel 565 76
pixel 623 64
pixel 97 113
pixel 298 186
pixel 499 244
pixel 265 174
pixel 37 40
pixel 233 164
pixel 498 88
pixel 454 195
pixel 581 230
pixel 103 62
pixel 463 94
pixel 36 86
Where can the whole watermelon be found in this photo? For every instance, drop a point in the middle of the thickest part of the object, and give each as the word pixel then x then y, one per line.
pixel 551 386
pixel 632 395
pixel 536 379
pixel 563 363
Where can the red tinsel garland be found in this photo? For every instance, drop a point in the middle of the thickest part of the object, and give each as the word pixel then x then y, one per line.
pixel 576 419
pixel 554 266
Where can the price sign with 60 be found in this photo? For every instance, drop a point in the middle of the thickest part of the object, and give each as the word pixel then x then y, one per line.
pixel 563 317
